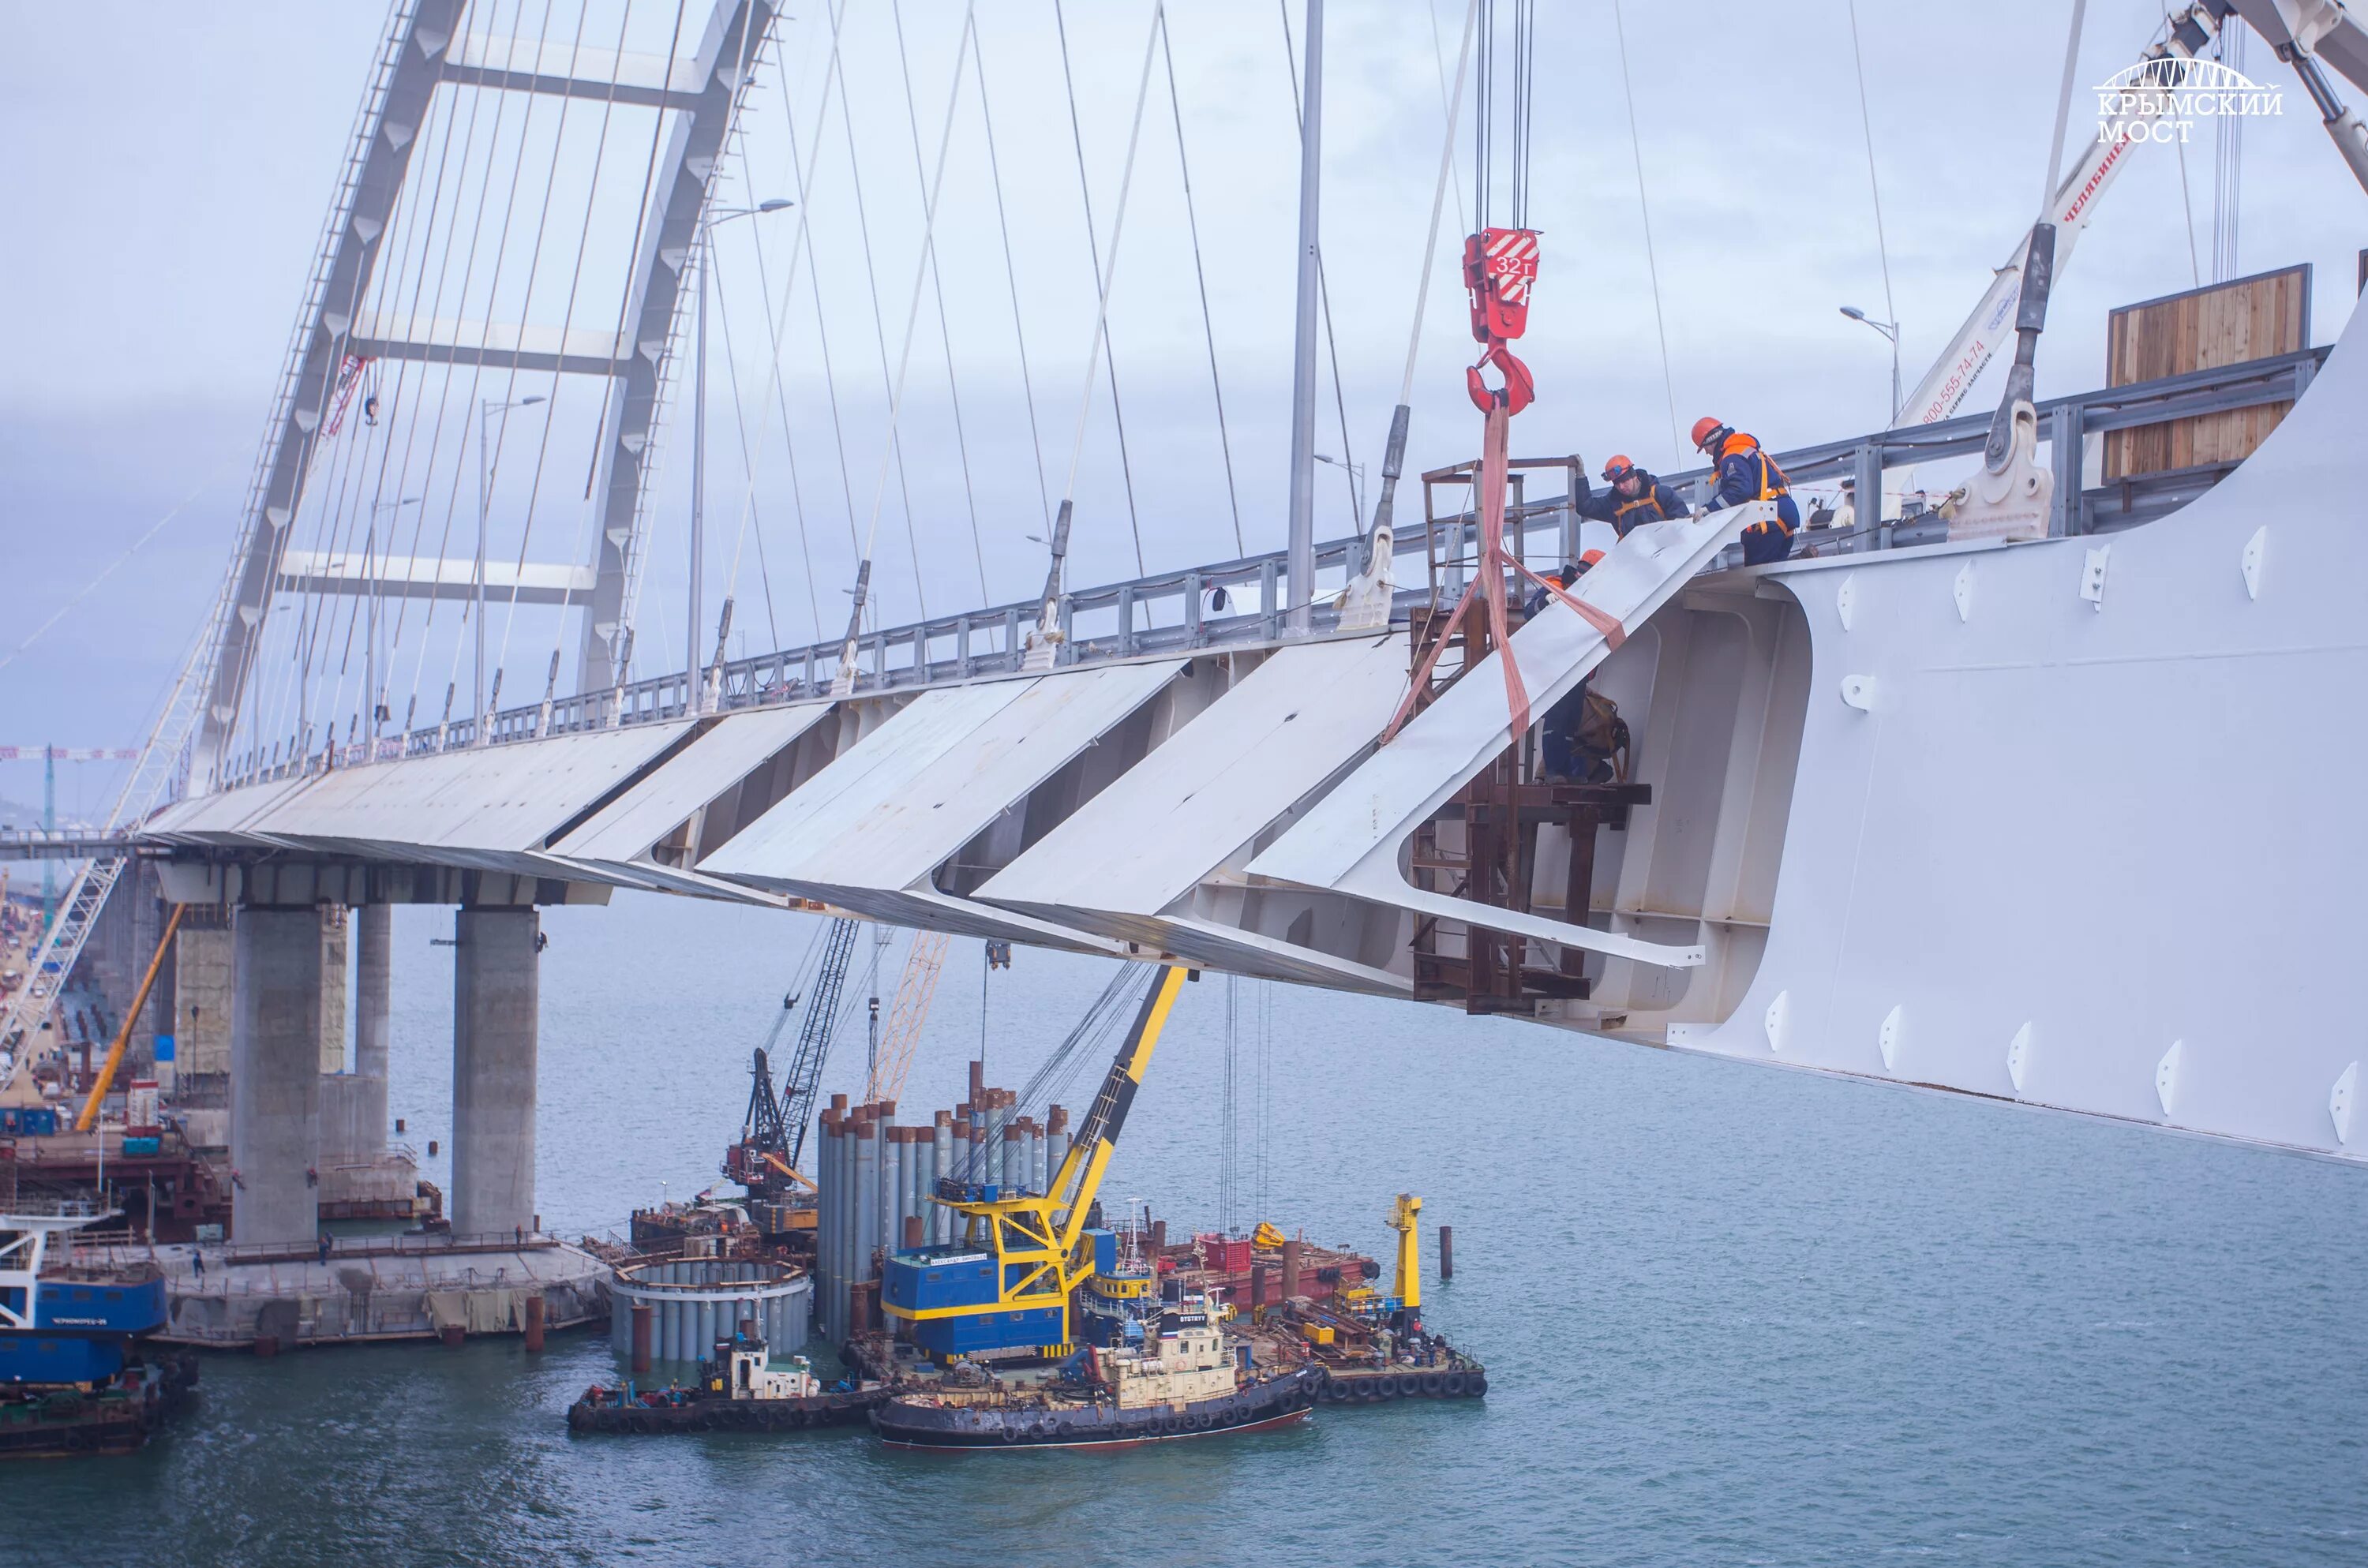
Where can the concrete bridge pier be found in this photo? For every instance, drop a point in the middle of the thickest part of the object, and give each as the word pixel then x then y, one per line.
pixel 354 1104
pixel 275 1079
pixel 496 992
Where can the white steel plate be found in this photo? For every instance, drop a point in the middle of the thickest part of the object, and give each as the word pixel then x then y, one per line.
pixel 779 844
pixel 1348 842
pixel 626 827
pixel 1226 776
pixel 463 807
pixel 217 818
pixel 938 775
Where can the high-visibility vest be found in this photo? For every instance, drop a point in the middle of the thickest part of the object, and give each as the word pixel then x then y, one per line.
pixel 1772 482
pixel 1621 520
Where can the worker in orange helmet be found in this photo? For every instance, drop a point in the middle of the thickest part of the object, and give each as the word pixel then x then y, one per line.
pixel 1744 472
pixel 1635 497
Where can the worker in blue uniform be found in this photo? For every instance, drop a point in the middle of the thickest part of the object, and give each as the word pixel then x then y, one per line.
pixel 1745 472
pixel 1576 735
pixel 1636 497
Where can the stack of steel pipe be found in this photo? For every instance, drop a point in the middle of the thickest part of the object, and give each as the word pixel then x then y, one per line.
pixel 872 1175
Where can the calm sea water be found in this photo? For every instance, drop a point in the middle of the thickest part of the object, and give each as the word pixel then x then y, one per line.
pixel 1732 1315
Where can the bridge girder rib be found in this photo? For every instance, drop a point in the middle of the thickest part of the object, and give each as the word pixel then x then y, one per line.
pixel 424 50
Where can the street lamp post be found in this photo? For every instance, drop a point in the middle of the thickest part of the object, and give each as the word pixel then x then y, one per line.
pixel 694 687
pixel 487 409
pixel 1889 329
pixel 1356 472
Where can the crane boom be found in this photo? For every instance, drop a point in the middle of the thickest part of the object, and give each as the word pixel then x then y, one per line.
pixel 1991 325
pixel 805 1077
pixel 916 989
pixel 1006 1286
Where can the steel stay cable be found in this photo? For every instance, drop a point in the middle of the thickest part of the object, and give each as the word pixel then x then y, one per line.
pixel 747 467
pixel 1439 197
pixel 476 374
pixel 1011 277
pixel 789 445
pixel 632 551
pixel 477 723
pixel 106 572
pixel 1200 277
pixel 830 386
pixel 887 381
pixel 1093 252
pixel 777 322
pixel 374 701
pixel 704 247
pixel 490 462
pixel 641 224
pixel 303 692
pixel 377 501
pixel 250 659
pixel 251 655
pixel 751 43
pixel 938 282
pixel 801 244
pixel 905 355
pixel 1874 187
pixel 1110 269
pixel 1644 209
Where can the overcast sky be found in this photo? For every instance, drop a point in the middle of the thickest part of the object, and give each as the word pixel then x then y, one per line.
pixel 168 168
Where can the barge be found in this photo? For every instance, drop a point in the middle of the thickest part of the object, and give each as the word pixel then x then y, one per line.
pixel 77 1376
pixel 738 1389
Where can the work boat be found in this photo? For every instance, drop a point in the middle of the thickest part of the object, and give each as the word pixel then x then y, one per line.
pixel 73 1379
pixel 1180 1377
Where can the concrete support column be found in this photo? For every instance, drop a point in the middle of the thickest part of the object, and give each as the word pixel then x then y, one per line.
pixel 354 1103
pixel 495 996
pixel 275 1077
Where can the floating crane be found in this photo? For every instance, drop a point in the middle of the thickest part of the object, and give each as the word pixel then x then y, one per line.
pixel 1006 1286
pixel 772 1133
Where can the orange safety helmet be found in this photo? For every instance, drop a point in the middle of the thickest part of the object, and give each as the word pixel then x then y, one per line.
pixel 1589 558
pixel 1705 428
pixel 1618 467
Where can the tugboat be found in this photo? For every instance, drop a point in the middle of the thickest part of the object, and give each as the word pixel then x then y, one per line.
pixel 1173 1375
pixel 73 1377
pixel 739 1390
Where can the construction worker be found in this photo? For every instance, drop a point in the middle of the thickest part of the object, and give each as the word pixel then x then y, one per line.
pixel 1746 473
pixel 1636 497
pixel 1574 729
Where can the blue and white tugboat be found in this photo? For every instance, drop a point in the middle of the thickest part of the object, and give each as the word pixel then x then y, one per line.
pixel 73 1378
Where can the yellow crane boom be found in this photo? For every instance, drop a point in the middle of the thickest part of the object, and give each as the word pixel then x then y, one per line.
pixel 1038 1239
pixel 106 1077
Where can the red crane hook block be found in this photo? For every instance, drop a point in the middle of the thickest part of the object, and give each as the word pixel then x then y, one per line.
pixel 1499 266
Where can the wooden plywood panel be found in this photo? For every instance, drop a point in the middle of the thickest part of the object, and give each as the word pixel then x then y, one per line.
pixel 2204 329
